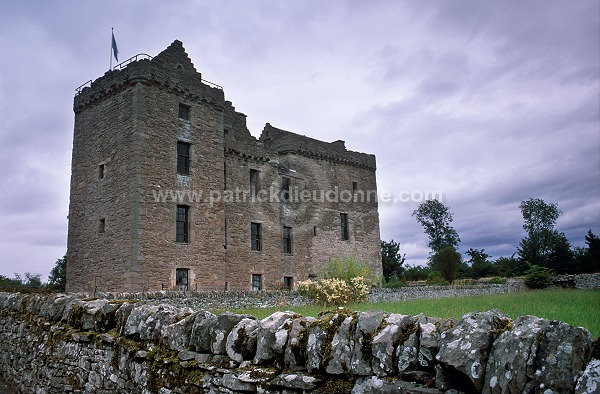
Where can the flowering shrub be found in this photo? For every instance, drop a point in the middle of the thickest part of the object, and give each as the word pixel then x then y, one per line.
pixel 342 283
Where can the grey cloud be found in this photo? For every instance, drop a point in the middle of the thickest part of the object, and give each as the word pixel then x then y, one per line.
pixel 489 103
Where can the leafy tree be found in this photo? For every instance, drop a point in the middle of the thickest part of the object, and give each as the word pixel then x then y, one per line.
pixel 32 280
pixel 416 272
pixel 539 220
pixel 391 259
pixel 7 283
pixel 581 261
pixel 435 219
pixel 58 275
pixel 509 266
pixel 593 243
pixel 480 265
pixel 561 257
pixel 447 262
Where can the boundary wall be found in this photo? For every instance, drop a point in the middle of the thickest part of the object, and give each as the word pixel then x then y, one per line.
pixel 67 344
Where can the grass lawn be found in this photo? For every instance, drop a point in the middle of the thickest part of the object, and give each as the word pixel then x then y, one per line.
pixel 576 307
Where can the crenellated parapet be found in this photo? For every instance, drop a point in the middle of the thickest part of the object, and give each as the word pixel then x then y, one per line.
pixel 285 142
pixel 171 69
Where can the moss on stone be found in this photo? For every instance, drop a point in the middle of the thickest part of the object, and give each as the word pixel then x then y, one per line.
pixel 75 318
pixel 337 386
pixel 240 342
pixel 330 322
pixel 501 325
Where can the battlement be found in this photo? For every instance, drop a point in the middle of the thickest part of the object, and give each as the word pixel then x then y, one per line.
pixel 172 69
pixel 170 190
pixel 285 142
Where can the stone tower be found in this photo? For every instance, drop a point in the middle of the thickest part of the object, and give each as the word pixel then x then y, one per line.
pixel 169 190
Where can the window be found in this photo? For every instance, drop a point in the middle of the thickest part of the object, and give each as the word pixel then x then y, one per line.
pixel 182 224
pixel 287 240
pixel 101 225
pixel 288 282
pixel 225 230
pixel 354 187
pixel 314 231
pixel 184 112
pixel 285 188
pixel 182 278
pixel 345 234
pixel 255 236
pixel 183 158
pixel 256 282
pixel 101 171
pixel 253 183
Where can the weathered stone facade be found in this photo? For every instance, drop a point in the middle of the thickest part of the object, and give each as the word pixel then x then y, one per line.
pixel 167 180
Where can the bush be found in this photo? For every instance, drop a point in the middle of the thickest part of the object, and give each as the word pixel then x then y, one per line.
pixel 393 283
pixel 538 277
pixel 434 278
pixel 335 291
pixel 497 281
pixel 414 273
pixel 346 268
pixel 343 280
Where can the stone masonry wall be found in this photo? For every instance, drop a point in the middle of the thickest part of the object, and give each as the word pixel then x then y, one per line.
pixel 65 344
pixel 278 298
pixel 126 189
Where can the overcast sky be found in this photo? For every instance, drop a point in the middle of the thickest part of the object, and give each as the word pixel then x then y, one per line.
pixel 483 104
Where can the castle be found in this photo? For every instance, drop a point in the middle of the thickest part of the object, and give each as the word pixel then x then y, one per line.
pixel 170 191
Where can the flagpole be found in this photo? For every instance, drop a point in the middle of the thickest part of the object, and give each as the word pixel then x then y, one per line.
pixel 111 48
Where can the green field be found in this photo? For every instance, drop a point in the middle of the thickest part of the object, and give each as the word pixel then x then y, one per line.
pixel 576 307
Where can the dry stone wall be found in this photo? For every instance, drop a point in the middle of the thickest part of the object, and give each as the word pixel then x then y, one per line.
pixel 66 344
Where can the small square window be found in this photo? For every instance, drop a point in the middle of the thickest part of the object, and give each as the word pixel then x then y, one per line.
pixel 101 171
pixel 184 112
pixel 256 282
pixel 101 226
pixel 255 236
pixel 288 282
pixel 287 240
pixel 182 224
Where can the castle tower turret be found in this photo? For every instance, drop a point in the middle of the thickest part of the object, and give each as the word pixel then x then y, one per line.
pixel 143 133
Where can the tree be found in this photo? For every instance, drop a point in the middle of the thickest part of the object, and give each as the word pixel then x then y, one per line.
pixel 7 283
pixel 32 280
pixel 539 220
pixel 509 266
pixel 480 265
pixel 435 219
pixel 391 259
pixel 539 215
pixel 561 257
pixel 447 262
pixel 417 272
pixel 58 276
pixel 593 249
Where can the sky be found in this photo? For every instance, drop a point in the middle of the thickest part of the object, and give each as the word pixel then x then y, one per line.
pixel 479 104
